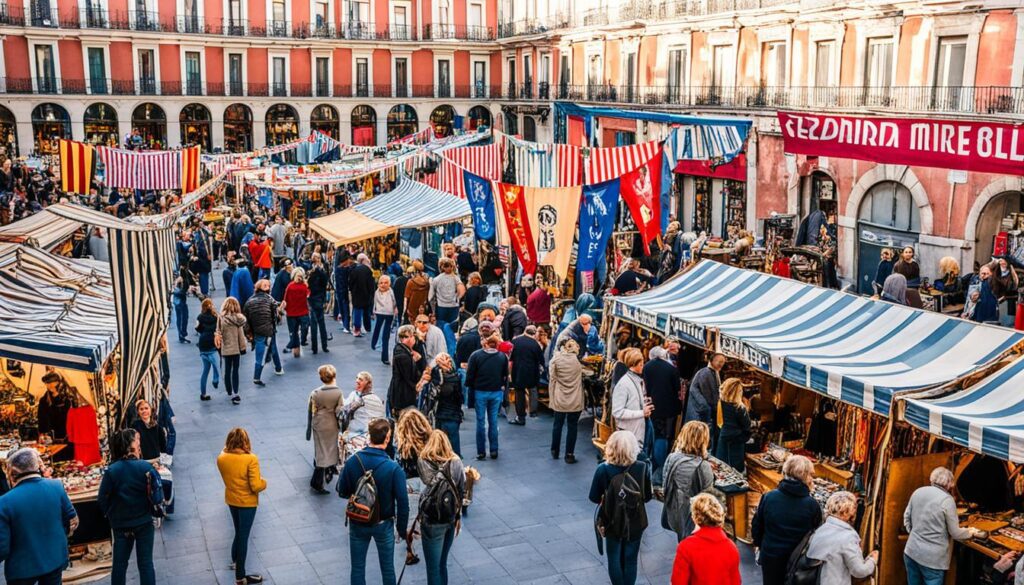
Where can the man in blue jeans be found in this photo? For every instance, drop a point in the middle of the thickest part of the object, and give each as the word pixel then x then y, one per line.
pixel 486 374
pixel 261 321
pixel 392 510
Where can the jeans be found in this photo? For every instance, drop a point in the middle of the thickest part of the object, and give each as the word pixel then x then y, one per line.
pixel 521 395
pixel 141 539
pixel 359 535
pixel 918 574
pixel 231 363
pixel 361 319
pixel 265 345
pixel 487 404
pixel 571 420
pixel 660 455
pixel 181 319
pixel 242 518
pixel 263 273
pixel 449 315
pixel 341 307
pixel 210 359
pixel 622 560
pixel 204 283
pixel 296 325
pixel 316 323
pixel 382 324
pixel 451 428
pixel 54 578
pixel 437 542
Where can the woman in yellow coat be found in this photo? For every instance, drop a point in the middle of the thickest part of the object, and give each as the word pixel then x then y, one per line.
pixel 240 470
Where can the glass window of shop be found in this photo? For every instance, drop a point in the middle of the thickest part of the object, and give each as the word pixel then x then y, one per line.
pixel 8 132
pixel 529 129
pixel 238 128
pixel 478 116
pixel 50 123
pixel 101 125
pixel 402 121
pixel 195 126
pixel 151 122
pixel 364 126
pixel 325 119
pixel 443 120
pixel 717 203
pixel 282 124
pixel 887 218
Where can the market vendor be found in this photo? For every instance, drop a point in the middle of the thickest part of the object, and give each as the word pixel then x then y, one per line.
pixel 53 407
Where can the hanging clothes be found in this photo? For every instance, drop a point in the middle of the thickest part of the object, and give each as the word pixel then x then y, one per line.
pixel 84 434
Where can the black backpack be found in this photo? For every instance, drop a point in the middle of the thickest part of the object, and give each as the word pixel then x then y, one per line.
pixel 622 511
pixel 441 502
pixel 802 570
pixel 362 504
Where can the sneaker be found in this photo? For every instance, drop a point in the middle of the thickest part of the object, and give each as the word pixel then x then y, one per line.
pixel 325 350
pixel 236 399
pixel 518 422
pixel 494 454
pixel 385 362
pixel 250 579
pixel 184 340
pixel 258 383
pixel 570 458
pixel 205 397
pixel 481 456
pixel 534 415
pixel 345 330
pixel 279 372
pixel 554 453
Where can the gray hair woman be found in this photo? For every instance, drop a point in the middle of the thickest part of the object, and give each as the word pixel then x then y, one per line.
pixel 894 289
pixel 784 517
pixel 933 524
pixel 837 544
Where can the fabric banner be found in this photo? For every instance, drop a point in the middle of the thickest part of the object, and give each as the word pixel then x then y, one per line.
pixel 480 195
pixel 554 214
pixel 189 169
pixel 76 167
pixel 641 190
pixel 605 164
pixel 512 200
pixel 988 147
pixel 597 219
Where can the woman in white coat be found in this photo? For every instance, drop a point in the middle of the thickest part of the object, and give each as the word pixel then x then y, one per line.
pixel 837 543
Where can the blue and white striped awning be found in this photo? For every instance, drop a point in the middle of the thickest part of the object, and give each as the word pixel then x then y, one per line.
pixel 987 417
pixel 852 348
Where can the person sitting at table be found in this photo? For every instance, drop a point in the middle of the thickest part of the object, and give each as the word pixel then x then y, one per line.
pixel 152 440
pixel 950 283
pixel 53 409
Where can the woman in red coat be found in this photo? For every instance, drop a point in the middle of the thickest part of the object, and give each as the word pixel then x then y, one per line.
pixel 706 557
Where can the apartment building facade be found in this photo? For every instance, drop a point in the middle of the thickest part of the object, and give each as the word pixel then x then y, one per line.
pixel 932 59
pixel 241 74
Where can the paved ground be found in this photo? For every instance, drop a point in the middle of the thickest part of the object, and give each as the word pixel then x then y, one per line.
pixel 530 521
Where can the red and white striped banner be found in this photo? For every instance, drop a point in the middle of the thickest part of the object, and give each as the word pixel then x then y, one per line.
pixel 605 164
pixel 141 170
pixel 569 162
pixel 484 161
pixel 450 179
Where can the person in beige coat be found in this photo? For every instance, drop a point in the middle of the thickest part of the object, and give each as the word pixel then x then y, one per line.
pixel 565 392
pixel 325 404
pixel 230 338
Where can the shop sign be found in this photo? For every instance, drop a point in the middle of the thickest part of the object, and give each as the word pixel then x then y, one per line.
pixel 742 350
pixel 989 147
pixel 687 331
pixel 637 315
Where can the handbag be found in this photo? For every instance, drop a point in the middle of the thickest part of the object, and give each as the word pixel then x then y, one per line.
pixel 156 509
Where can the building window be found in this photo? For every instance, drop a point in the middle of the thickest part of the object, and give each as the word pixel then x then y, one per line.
pixel 527 89
pixel 401 77
pixel 512 90
pixel 595 75
pixel 193 73
pixel 97 70
pixel 147 72
pixel 676 73
pixel 479 79
pixel 191 16
pixel 236 24
pixel 235 74
pixel 544 77
pixel 564 77
pixel 477 30
pixel 321 16
pixel 46 70
pixel 280 88
pixel 823 72
pixel 773 74
pixel 279 26
pixel 359 26
pixel 629 76
pixel 325 119
pixel 400 25
pixel 362 77
pixel 444 78
pixel 948 90
pixel 323 84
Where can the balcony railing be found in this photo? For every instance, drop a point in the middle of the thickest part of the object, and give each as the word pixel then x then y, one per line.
pixel 322 30
pixel 146 21
pixel 365 31
pixel 279 28
pixel 236 27
pixel 402 32
pixel 93 17
pixel 440 32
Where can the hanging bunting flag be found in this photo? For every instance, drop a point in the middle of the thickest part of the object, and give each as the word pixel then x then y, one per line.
pixel 641 190
pixel 597 219
pixel 76 167
pixel 189 169
pixel 553 215
pixel 480 195
pixel 512 199
pixel 604 164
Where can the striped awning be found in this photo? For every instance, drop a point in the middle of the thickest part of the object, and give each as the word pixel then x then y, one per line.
pixel 845 346
pixel 987 417
pixel 56 311
pixel 45 228
pixel 410 205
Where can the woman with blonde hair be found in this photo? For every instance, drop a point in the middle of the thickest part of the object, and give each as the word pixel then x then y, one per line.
pixel 296 310
pixel 837 544
pixel 411 433
pixel 622 473
pixel 708 557
pixel 231 329
pixel 734 422
pixel 325 403
pixel 687 474
pixel 240 471
pixel 439 463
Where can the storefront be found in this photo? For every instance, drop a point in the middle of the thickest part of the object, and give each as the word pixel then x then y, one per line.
pixel 364 126
pixel 50 123
pixel 709 199
pixel 478 116
pixel 195 126
pixel 402 122
pixel 814 188
pixel 999 227
pixel 151 122
pixel 282 124
pixel 442 119
pixel 8 132
pixel 238 128
pixel 101 125
pixel 325 119
pixel 887 218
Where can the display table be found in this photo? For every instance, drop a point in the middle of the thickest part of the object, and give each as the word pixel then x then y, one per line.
pixel 731 483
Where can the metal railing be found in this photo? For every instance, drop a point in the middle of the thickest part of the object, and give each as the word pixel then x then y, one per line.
pixel 146 20
pixel 235 27
pixel 147 86
pixel 402 32
pixel 440 32
pixel 279 28
pixel 93 17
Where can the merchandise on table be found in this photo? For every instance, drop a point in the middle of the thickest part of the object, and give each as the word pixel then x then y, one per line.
pixel 726 476
pixel 78 478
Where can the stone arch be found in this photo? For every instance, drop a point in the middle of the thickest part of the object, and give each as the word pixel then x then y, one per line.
pixel 900 174
pixel 796 180
pixel 994 189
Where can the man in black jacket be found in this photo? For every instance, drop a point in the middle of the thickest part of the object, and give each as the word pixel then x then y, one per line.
pixel 487 375
pixel 317 280
pixel 527 361
pixel 261 321
pixel 406 372
pixel 662 381
pixel 361 285
pixel 515 321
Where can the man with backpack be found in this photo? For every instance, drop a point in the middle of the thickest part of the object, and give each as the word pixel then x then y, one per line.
pixel 377 503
